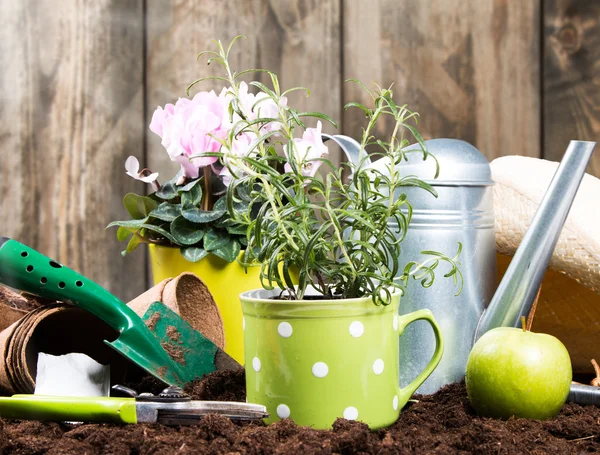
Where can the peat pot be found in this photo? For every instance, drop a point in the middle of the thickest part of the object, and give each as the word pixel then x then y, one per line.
pixel 224 280
pixel 316 360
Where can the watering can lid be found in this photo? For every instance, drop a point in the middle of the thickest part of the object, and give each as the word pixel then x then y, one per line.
pixel 460 163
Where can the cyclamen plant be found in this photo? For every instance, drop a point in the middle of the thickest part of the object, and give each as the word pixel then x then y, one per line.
pixel 189 211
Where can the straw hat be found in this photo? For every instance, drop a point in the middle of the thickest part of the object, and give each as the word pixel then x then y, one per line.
pixel 569 306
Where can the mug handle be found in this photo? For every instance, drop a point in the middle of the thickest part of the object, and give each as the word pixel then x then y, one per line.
pixel 403 321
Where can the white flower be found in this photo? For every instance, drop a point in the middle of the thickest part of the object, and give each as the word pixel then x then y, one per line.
pixel 308 152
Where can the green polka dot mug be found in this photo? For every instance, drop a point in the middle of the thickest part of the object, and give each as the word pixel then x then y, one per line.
pixel 316 360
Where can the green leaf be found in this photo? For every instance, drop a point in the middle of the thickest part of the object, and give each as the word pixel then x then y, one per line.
pixel 160 231
pixel 318 115
pixel 134 224
pixel 167 192
pixel 229 251
pixel 193 253
pixel 185 232
pixel 214 239
pixel 192 197
pixel 133 244
pixel 196 215
pixel 123 233
pixel 138 206
pixel 166 211
pixel 220 204
pixel 188 186
pixel 237 229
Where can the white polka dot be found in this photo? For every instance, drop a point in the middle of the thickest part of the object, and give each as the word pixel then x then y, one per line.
pixel 283 411
pixel 356 329
pixel 320 369
pixel 256 364
pixel 285 329
pixel 378 366
pixel 351 413
pixel 395 402
pixel 395 323
pixel 243 323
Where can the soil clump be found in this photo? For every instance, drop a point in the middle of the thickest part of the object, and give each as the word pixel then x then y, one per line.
pixel 442 423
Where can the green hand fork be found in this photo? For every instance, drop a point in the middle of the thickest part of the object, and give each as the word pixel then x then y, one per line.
pixel 25 269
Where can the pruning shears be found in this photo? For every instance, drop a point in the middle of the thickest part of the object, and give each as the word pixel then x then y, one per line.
pixel 171 407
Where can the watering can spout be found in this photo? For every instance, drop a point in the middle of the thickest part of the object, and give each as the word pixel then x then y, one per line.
pixel 516 293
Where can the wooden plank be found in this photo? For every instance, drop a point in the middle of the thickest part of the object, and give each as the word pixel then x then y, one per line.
pixel 298 39
pixel 71 112
pixel 470 68
pixel 571 76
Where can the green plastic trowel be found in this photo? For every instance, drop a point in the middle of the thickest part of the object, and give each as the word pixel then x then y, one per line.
pixel 165 345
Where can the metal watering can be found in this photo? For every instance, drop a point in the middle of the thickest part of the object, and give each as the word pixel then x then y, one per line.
pixel 463 212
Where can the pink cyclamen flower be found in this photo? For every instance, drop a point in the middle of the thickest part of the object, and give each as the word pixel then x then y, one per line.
pixel 308 152
pixel 132 168
pixel 191 127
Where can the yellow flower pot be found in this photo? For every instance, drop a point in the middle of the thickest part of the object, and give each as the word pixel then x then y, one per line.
pixel 226 281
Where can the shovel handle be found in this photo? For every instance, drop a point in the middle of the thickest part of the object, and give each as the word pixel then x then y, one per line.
pixel 25 269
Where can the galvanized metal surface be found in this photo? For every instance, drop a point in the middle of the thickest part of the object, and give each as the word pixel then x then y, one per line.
pixel 520 283
pixel 462 212
pixel 584 395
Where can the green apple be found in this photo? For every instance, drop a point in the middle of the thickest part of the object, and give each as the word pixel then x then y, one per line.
pixel 512 372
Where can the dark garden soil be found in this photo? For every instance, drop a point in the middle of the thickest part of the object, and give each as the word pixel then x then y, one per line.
pixel 440 423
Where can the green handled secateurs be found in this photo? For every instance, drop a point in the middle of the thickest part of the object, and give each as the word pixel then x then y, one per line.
pixel 171 407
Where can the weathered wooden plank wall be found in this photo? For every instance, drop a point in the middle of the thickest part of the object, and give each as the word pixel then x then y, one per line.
pixel 81 79
pixel 300 40
pixel 71 111
pixel 571 71
pixel 471 69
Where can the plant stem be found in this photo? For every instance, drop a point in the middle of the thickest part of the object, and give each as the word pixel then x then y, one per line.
pixel 523 323
pixel 596 380
pixel 207 189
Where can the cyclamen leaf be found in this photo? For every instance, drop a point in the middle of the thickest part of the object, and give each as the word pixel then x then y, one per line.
pixel 192 197
pixel 202 216
pixel 123 233
pixel 139 206
pixel 134 224
pixel 133 244
pixel 188 186
pixel 194 253
pixel 160 231
pixel 237 229
pixel 214 239
pixel 167 192
pixel 229 251
pixel 185 232
pixel 220 204
pixel 166 211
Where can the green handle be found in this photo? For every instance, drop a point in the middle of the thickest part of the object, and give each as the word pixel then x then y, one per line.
pixel 79 409
pixel 25 269
pixel 403 321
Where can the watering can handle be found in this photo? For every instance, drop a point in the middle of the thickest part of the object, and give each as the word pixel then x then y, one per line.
pixel 350 147
pixel 405 393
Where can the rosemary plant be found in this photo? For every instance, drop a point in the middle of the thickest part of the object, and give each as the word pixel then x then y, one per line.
pixel 329 233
